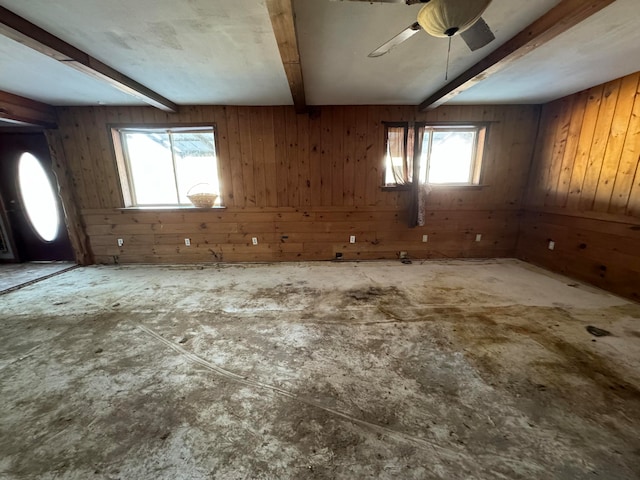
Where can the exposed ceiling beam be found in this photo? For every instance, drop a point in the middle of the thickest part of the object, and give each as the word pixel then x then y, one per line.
pixel 25 32
pixel 24 111
pixel 283 21
pixel 567 14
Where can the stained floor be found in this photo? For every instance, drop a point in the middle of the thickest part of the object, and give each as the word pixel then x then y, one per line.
pixel 13 275
pixel 434 370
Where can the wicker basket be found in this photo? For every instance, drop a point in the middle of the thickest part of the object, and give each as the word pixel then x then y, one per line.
pixel 202 199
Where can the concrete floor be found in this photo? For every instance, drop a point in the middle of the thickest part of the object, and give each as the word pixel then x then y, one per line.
pixel 435 370
pixel 13 275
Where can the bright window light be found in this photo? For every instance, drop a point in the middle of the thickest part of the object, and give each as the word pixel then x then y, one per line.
pixel 164 164
pixel 38 197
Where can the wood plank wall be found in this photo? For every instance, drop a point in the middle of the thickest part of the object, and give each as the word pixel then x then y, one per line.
pixel 584 190
pixel 301 184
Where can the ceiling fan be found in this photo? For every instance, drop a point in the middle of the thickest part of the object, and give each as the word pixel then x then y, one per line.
pixel 443 18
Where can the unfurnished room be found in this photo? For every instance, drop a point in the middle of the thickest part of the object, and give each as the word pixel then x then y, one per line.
pixel 319 239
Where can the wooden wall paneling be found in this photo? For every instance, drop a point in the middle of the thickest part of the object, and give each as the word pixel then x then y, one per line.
pixel 349 167
pixel 84 157
pixel 524 141
pixel 375 155
pixel 282 154
pixel 594 254
pixel 337 156
pixel 259 138
pixel 103 139
pixel 101 171
pixel 246 148
pixel 594 99
pixel 599 144
pixel 502 161
pixel 570 149
pixel 315 157
pixel 136 115
pixel 550 181
pixel 271 190
pixel 304 182
pixel 148 116
pixel 224 165
pixel 66 127
pixel 615 144
pixel 360 159
pixel 235 157
pixel 633 205
pixel 542 154
pixel 326 152
pixel 316 228
pixel 292 182
pixel 629 162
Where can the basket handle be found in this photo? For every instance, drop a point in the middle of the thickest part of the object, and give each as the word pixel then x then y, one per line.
pixel 194 186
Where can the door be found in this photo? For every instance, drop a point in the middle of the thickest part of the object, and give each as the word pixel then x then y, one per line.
pixel 30 196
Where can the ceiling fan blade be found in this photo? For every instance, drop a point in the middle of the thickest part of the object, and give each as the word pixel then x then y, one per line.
pixel 397 40
pixel 478 35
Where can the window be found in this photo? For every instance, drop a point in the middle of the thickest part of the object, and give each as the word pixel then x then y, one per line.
pixel 158 166
pixel 436 154
pixel 38 197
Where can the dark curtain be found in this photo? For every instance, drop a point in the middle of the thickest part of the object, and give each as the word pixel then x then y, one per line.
pixel 416 197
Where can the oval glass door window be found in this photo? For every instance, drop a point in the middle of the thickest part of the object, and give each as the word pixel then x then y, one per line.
pixel 38 197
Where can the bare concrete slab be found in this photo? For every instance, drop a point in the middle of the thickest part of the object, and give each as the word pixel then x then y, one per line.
pixel 13 275
pixel 439 370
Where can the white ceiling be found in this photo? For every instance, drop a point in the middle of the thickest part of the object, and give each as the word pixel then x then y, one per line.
pixel 224 52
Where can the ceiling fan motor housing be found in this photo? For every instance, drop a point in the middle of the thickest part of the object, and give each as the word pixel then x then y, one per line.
pixel 445 18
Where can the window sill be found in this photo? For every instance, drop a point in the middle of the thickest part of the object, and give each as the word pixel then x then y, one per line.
pixel 174 208
pixel 395 188
pixel 453 186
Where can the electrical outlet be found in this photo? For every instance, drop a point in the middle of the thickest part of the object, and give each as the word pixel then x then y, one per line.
pixel 552 244
pixel 254 240
pixel 403 254
pixel 120 242
pixel 425 238
pixel 352 239
pixel 187 242
pixel 478 237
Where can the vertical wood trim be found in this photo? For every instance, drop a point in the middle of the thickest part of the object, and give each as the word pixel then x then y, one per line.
pixel 235 157
pixel 75 227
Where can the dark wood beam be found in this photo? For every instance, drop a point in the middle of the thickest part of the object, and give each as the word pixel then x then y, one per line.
pixel 21 111
pixel 567 14
pixel 283 22
pixel 25 32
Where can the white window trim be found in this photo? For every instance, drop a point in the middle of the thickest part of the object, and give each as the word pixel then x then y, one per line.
pixel 124 167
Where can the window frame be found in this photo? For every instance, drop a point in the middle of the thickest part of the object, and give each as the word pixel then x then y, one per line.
pixel 478 153
pixel 123 165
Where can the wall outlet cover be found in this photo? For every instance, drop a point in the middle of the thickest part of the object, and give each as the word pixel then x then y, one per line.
pixel 254 240
pixel 352 239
